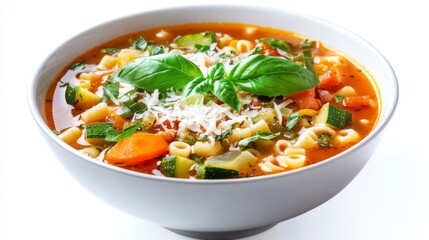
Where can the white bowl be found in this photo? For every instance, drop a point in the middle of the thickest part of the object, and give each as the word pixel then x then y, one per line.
pixel 220 208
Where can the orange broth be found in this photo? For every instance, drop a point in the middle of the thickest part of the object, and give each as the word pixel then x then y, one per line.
pixel 60 116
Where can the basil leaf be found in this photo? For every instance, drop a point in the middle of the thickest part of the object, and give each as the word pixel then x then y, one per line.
pixel 110 89
pixel 217 72
pixel 224 134
pixel 307 43
pixel 224 90
pixel 163 72
pixel 259 135
pixel 276 43
pixel 113 136
pixel 110 51
pixel 140 44
pixel 77 66
pixel 271 76
pixel 134 106
pixel 198 85
pixel 255 50
pixel 338 98
pixel 309 60
pixel 156 49
pixel 292 120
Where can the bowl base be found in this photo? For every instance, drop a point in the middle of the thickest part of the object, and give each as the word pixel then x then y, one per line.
pixel 222 235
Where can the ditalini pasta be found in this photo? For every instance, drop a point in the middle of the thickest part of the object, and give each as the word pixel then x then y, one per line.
pixel 212 100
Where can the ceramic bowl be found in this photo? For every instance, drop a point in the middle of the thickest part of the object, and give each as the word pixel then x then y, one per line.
pixel 218 208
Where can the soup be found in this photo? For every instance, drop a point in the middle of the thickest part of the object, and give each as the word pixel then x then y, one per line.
pixel 212 101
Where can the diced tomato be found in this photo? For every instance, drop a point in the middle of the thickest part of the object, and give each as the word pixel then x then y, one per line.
pixel 325 96
pixel 306 99
pixel 255 105
pixel 329 81
pixel 357 101
pixel 268 50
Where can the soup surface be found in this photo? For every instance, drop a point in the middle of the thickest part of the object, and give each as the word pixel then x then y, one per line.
pixel 212 100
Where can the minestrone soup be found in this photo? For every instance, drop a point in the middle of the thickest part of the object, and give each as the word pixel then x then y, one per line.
pixel 212 101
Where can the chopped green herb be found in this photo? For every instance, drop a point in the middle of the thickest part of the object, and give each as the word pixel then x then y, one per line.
pixel 255 50
pixel 196 158
pixel 338 98
pixel 292 120
pixel 140 44
pixel 77 66
pixel 56 132
pixel 309 60
pixel 110 51
pixel 113 136
pixel 111 90
pixel 243 143
pixel 156 49
pixel 224 134
pixel 307 43
pixel 134 106
pixel 276 43
pixel 324 140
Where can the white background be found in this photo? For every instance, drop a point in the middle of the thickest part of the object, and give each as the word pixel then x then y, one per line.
pixel 389 199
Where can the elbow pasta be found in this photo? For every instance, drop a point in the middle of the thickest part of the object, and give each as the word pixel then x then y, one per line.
pixel 281 145
pixel 239 133
pixel 260 126
pixel 179 148
pixel 97 113
pixel 346 136
pixel 242 46
pixel 307 140
pixel 71 135
pixel 294 157
pixel 207 149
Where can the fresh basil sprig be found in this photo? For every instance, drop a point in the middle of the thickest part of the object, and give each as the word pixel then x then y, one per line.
pixel 162 72
pixel 258 74
pixel 217 84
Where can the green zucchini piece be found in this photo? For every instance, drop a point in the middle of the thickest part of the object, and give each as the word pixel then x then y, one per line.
pixel 71 94
pixel 190 40
pixel 97 130
pixel 210 172
pixel 176 166
pixel 242 161
pixel 333 116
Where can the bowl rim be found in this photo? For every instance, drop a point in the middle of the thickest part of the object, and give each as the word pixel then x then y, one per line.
pixel 380 125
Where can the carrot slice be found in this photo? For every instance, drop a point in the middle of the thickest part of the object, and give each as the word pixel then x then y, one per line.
pixel 136 149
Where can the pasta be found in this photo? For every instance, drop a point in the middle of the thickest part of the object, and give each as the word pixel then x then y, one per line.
pixel 179 149
pixel 207 149
pixel 212 101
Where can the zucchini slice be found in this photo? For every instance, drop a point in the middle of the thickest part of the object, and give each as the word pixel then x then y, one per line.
pixel 333 116
pixel 176 166
pixel 210 172
pixel 190 40
pixel 97 130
